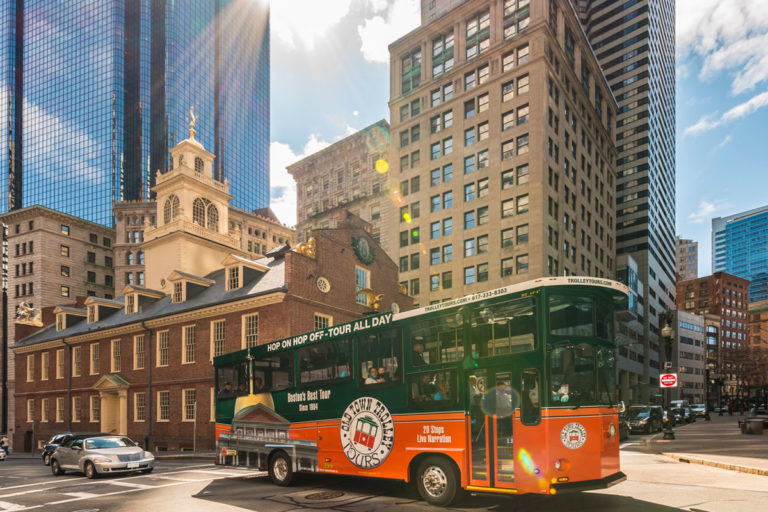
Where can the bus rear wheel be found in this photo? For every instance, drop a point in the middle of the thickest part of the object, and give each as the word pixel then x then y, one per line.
pixel 437 481
pixel 280 470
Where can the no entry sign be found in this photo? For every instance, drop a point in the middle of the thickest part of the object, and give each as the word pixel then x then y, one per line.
pixel 668 380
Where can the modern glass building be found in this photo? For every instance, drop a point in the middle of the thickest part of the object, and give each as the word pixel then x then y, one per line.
pixel 95 93
pixel 740 247
pixel 634 41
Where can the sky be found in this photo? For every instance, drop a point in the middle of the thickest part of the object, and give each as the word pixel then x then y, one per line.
pixel 330 77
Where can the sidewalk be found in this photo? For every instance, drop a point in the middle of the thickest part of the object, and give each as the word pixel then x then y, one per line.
pixel 717 443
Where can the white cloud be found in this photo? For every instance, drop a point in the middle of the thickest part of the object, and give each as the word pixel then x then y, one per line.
pixel 711 121
pixel 303 22
pixel 728 36
pixel 706 211
pixel 377 32
pixel 726 140
pixel 282 185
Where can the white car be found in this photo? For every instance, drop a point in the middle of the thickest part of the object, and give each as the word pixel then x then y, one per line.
pixel 2 454
pixel 99 455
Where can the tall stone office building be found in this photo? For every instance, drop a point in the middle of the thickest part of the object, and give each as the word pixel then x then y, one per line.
pixel 94 94
pixel 502 139
pixel 687 259
pixel 635 44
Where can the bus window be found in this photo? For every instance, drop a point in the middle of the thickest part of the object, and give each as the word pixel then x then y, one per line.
pixel 438 340
pixel 432 389
pixel 570 315
pixel 325 361
pixel 379 357
pixel 606 376
pixel 530 401
pixel 572 368
pixel 232 381
pixel 273 373
pixel 605 320
pixel 504 328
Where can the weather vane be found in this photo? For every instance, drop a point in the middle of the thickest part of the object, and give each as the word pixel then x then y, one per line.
pixel 192 119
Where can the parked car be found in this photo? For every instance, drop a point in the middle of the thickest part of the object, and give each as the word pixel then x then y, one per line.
pixel 699 410
pixel 683 415
pixel 61 438
pixel 101 455
pixel 645 418
pixel 2 455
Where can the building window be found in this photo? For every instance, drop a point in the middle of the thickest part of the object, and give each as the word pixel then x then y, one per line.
pixel 76 409
pixel 30 410
pixel 60 363
pixel 59 410
pixel 469 275
pixel 199 164
pixel 139 352
pixel 522 234
pixel 95 409
pixel 250 330
pixel 130 303
pixel 171 209
pixel 442 55
pixel 507 267
pixel 163 405
pixel 233 278
pixel 190 404
pixel 44 410
pixel 522 264
pixel 411 70
pixel 64 251
pixel 517 16
pixel 178 292
pixel 478 34
pixel 522 204
pixel 77 361
pixel 65 230
pixel 362 281
pixel 91 277
pixel 94 358
pixel 322 321
pixel 218 335
pixel 30 368
pixel 162 348
pixel 116 361
pixel 507 208
pixel 188 334
pixel 45 363
pixel 139 407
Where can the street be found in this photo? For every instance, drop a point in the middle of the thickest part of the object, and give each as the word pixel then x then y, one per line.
pixel 654 483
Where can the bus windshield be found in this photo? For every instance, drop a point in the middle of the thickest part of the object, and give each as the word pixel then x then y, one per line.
pixel 232 381
pixel 572 369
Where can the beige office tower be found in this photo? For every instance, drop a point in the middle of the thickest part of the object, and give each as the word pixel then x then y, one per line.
pixel 503 148
pixel 687 259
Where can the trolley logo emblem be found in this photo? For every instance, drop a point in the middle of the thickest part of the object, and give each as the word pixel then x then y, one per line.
pixel 573 435
pixel 367 432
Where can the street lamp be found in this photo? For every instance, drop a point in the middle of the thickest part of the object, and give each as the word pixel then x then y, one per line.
pixel 667 333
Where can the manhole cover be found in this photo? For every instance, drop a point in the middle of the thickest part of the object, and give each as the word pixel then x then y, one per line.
pixel 325 495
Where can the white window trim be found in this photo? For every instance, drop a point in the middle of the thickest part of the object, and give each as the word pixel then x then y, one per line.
pixel 30 410
pixel 184 405
pixel 63 412
pixel 184 343
pixel 212 330
pixel 327 317
pixel 157 349
pixel 243 322
pixel 60 352
pixel 183 292
pixel 112 355
pixel 135 352
pixel 79 372
pixel 92 370
pixel 136 407
pixel 91 409
pixel 45 370
pixel 95 309
pixel 239 277
pixel 158 406
pixel 76 410
pixel 44 410
pixel 31 368
pixel 213 405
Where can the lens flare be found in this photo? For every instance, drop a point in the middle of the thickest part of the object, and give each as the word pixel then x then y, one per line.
pixel 526 461
pixel 382 166
pixel 500 401
pixel 407 217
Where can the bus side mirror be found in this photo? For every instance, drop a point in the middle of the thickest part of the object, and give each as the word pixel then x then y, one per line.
pixel 622 407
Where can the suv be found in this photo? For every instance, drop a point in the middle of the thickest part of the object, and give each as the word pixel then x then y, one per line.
pixel 699 410
pixel 645 418
pixel 59 439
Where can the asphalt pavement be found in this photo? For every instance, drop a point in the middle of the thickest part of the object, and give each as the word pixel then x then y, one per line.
pixel 717 443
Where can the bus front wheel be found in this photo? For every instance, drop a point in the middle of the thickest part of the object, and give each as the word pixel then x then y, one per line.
pixel 280 470
pixel 437 481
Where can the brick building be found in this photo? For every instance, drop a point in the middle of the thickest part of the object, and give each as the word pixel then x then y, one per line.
pixel 140 364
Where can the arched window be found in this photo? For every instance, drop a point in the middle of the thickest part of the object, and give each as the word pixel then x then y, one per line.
pixel 213 218
pixel 171 209
pixel 198 211
pixel 141 257
pixel 198 164
pixel 181 160
pixel 129 258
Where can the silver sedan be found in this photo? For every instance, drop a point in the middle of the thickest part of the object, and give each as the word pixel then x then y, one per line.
pixel 101 455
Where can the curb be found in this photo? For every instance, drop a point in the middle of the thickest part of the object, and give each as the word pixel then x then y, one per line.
pixel 716 464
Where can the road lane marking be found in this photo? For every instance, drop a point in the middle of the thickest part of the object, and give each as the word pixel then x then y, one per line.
pixel 4 505
pixel 83 495
pixel 130 484
pixel 21 493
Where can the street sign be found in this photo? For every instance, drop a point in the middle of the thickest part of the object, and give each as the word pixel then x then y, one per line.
pixel 668 380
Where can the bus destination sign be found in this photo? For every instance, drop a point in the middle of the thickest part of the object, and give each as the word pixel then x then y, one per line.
pixel 329 332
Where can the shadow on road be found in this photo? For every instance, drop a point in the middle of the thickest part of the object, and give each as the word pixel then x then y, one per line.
pixel 357 494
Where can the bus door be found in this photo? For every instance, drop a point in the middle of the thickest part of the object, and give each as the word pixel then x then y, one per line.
pixel 492 403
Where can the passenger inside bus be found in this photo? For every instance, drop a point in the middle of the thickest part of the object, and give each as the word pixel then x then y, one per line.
pixel 258 384
pixel 226 392
pixel 417 359
pixel 373 376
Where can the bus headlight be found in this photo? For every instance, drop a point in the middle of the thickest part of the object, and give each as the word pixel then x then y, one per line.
pixel 562 464
pixel 611 430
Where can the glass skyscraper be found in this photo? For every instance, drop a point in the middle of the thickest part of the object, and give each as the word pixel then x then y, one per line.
pixel 740 248
pixel 634 41
pixel 93 94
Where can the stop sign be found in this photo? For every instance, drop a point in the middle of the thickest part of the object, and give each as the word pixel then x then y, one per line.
pixel 668 380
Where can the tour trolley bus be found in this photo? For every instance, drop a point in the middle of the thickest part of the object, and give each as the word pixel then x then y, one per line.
pixel 508 391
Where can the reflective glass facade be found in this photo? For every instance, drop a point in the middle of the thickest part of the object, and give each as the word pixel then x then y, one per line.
pixel 104 90
pixel 739 245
